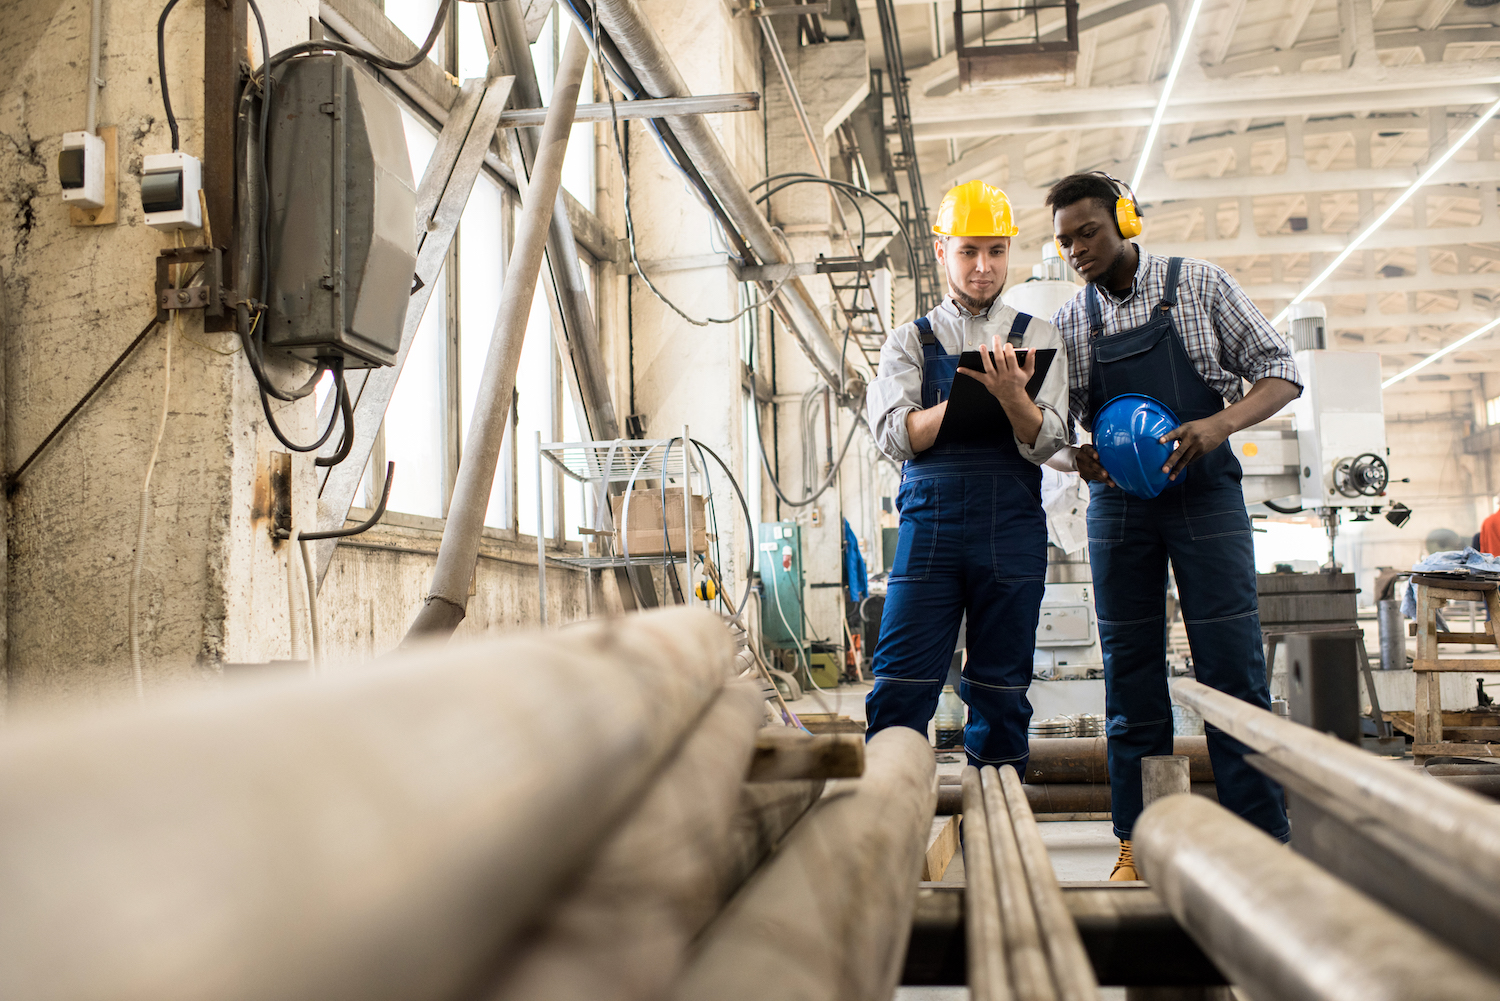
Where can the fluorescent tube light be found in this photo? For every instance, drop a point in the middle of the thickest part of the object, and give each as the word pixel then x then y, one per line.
pixel 1390 210
pixel 1166 92
pixel 1440 352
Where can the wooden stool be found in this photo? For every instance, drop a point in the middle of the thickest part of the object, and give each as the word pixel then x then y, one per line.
pixel 1433 592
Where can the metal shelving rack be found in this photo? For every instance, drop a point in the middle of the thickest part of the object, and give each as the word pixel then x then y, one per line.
pixel 627 461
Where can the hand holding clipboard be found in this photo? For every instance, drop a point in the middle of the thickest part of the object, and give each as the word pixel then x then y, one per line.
pixel 974 415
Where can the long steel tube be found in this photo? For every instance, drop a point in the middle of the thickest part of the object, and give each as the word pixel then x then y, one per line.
pixel 642 48
pixel 1448 822
pixel 1072 972
pixel 448 596
pixel 1030 974
pixel 622 935
pixel 1279 926
pixel 989 970
pixel 377 835
pixel 828 916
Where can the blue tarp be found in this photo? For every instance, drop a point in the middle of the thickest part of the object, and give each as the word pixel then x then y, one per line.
pixel 854 567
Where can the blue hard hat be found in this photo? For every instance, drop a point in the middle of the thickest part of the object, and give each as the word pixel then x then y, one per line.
pixel 1127 430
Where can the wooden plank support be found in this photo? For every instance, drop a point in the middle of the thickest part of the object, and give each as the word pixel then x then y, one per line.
pixel 1435 665
pixel 782 753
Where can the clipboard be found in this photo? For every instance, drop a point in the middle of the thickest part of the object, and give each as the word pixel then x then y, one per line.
pixel 974 417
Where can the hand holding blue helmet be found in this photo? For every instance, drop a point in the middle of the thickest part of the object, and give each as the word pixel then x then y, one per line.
pixel 1127 433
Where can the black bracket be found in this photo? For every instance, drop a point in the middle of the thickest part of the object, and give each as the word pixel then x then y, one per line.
pixel 206 291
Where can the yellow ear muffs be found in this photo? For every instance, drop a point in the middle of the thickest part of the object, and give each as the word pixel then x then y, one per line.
pixel 1127 217
pixel 1059 248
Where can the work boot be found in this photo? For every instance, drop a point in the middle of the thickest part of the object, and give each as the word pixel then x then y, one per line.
pixel 1124 866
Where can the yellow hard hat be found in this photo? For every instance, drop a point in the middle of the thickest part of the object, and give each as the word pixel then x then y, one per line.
pixel 975 209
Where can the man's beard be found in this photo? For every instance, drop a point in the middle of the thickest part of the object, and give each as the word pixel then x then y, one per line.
pixel 1108 278
pixel 972 304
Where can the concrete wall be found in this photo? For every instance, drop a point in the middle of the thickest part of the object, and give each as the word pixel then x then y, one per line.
pixel 214 583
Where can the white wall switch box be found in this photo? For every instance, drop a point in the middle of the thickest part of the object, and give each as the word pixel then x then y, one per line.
pixel 169 191
pixel 80 168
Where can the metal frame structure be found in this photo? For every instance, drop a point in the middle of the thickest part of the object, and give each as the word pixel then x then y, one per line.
pixel 1033 41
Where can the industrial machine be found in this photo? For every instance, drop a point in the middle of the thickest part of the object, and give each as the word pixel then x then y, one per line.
pixel 1326 452
pixel 781 575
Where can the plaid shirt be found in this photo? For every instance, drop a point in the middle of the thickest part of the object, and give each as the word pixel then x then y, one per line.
pixel 1226 337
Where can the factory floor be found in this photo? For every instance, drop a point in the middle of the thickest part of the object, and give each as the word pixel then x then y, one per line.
pixel 1081 851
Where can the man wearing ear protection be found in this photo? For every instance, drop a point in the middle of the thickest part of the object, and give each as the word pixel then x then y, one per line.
pixel 972 537
pixel 1183 332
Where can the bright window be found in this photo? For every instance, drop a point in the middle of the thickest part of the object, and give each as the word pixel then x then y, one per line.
pixel 1492 410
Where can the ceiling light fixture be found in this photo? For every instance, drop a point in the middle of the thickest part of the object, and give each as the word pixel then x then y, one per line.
pixel 1166 92
pixel 1440 352
pixel 1390 210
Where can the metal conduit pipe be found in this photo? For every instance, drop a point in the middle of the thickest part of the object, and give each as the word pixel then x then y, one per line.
pixel 1281 927
pixel 448 596
pixel 1446 822
pixel 372 836
pixel 828 916
pixel 624 932
pixel 642 48
pixel 1085 759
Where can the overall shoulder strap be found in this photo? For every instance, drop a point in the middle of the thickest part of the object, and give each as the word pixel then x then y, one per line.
pixel 1169 293
pixel 1018 328
pixel 1096 315
pixel 924 331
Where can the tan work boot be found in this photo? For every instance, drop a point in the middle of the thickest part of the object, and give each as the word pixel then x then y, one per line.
pixel 1124 865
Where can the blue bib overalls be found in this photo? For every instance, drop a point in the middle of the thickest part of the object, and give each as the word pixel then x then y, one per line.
pixel 972 538
pixel 1200 524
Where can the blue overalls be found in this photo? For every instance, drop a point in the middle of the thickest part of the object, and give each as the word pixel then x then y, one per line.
pixel 972 538
pixel 1201 525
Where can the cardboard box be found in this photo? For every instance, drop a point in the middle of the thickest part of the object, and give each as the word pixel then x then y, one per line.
pixel 644 533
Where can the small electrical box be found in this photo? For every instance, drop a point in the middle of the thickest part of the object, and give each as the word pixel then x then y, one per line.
pixel 170 183
pixel 80 168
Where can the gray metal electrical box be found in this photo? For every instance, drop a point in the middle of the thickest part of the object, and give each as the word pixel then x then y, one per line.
pixel 342 221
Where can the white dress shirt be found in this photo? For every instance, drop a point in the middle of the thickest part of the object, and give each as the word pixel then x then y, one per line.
pixel 897 390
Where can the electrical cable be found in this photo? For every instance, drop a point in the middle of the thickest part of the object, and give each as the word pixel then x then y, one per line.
pixel 766 297
pixel 140 539
pixel 13 481
pixel 161 70
pixel 333 419
pixel 1283 510
pixel 800 177
pixel 766 459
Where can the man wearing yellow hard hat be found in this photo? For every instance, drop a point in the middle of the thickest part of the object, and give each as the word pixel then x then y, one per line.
pixel 972 537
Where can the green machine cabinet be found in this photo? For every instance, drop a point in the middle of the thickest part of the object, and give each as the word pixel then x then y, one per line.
pixel 780 561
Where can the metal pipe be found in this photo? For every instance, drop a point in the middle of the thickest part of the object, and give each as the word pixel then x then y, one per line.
pixel 829 914
pixel 448 597
pixel 96 31
pixel 624 932
pixel 1446 822
pixel 1086 759
pixel 1072 972
pixel 1063 797
pixel 1030 975
pixel 642 48
pixel 578 341
pixel 989 975
pixel 372 835
pixel 1279 926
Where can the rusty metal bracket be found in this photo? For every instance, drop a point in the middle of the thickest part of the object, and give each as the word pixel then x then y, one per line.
pixel 207 291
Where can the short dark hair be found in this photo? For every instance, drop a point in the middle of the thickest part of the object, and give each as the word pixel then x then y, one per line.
pixel 1077 187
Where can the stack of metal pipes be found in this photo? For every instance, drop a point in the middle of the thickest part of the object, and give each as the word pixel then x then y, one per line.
pixel 563 815
pixel 1067 778
pixel 1390 889
pixel 1021 941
